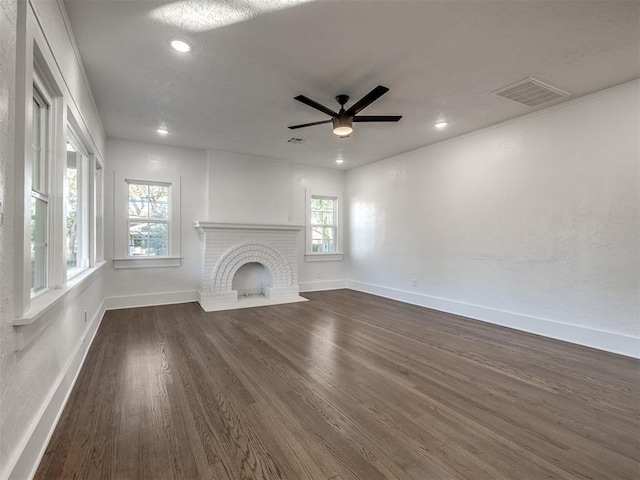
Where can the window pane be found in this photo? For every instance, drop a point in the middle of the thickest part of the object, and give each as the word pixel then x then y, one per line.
pixel 37 151
pixel 138 200
pixel 138 208
pixel 158 202
pixel 71 195
pixel 38 244
pixel 148 238
pixel 322 218
pixel 327 218
pixel 323 239
pixel 148 201
pixel 323 204
pixel 316 204
pixel 316 218
pixel 323 223
pixel 327 205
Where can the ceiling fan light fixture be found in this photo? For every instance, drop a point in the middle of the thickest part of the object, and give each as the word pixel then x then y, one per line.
pixel 342 125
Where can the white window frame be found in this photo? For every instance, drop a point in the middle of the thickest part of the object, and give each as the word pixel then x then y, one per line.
pixel 37 73
pixel 121 258
pixel 338 254
pixel 41 192
pixel 85 217
pixel 165 221
pixel 96 207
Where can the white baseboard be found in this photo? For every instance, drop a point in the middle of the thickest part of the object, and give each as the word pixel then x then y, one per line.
pixel 35 444
pixel 599 339
pixel 322 285
pixel 151 299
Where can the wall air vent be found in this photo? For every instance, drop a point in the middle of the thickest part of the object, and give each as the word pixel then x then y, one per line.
pixel 295 140
pixel 530 92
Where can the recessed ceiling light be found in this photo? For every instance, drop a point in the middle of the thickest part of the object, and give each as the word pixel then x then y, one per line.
pixel 339 160
pixel 162 131
pixel 180 45
pixel 441 124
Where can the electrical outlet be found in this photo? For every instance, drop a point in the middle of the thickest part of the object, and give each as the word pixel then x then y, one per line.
pixel 415 283
pixel 85 315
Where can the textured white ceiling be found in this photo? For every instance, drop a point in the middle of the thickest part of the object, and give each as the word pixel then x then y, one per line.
pixel 440 59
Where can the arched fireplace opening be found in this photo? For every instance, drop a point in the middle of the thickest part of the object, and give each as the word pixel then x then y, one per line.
pixel 251 279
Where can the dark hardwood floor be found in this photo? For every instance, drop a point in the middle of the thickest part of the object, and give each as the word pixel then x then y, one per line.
pixel 346 386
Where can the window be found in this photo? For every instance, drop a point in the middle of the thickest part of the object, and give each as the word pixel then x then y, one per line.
pixel 148 219
pixel 55 195
pixel 323 224
pixel 39 191
pixel 76 203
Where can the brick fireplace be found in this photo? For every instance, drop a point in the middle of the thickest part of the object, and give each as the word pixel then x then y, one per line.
pixel 226 247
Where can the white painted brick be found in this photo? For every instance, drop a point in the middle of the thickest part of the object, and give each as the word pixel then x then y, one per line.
pixel 224 251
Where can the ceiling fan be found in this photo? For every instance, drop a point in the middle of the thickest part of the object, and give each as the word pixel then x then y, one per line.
pixel 343 120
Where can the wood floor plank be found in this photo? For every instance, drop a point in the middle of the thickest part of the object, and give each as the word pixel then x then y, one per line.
pixel 346 386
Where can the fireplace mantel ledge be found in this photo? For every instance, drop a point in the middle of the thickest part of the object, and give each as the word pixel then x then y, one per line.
pixel 205 226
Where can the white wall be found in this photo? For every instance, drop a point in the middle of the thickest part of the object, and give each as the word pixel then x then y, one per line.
pixel 531 224
pixel 137 160
pixel 219 187
pixel 248 189
pixel 306 181
pixel 35 381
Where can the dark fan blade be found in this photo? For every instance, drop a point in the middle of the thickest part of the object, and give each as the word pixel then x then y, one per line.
pixel 310 124
pixel 368 99
pixel 316 105
pixel 377 118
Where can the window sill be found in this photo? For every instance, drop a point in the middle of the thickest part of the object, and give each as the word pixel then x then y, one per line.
pixel 324 257
pixel 43 306
pixel 146 262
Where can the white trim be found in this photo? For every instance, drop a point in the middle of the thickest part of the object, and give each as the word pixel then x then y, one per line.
pixel 201 227
pixel 34 322
pixel 32 448
pixel 122 180
pixel 338 223
pixel 589 337
pixel 146 262
pixel 320 285
pixel 150 299
pixel 324 257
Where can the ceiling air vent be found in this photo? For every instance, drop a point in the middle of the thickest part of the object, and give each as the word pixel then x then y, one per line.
pixel 295 140
pixel 531 92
